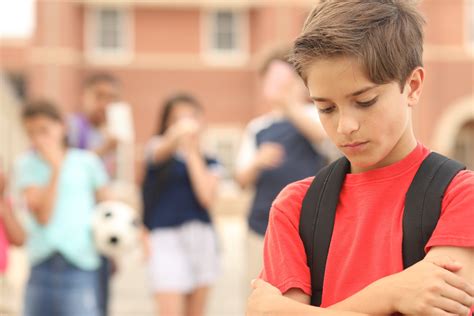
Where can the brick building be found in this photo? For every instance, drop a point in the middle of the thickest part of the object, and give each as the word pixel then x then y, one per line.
pixel 212 49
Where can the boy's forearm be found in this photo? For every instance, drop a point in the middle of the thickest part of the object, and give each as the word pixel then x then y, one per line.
pixel 375 299
pixel 202 181
pixel 46 202
pixel 248 176
pixel 14 231
pixel 106 148
pixel 165 150
pixel 287 306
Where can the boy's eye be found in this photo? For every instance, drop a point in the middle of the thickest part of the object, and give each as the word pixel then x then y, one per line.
pixel 367 103
pixel 326 110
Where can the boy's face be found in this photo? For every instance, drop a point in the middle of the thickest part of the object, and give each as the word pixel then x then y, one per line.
pixel 44 132
pixel 279 81
pixel 96 98
pixel 369 123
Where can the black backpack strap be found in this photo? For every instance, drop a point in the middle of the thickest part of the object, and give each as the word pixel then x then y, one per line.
pixel 318 212
pixel 423 204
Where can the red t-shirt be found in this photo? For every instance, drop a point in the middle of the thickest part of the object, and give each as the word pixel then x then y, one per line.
pixel 367 239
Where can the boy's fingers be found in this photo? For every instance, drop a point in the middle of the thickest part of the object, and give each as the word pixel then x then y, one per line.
pixel 253 283
pixel 447 263
pixel 451 306
pixel 260 284
pixel 461 285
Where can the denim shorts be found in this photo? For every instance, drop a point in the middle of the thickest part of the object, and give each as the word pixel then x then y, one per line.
pixel 58 288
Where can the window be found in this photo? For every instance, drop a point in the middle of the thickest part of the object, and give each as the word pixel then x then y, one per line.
pixel 109 29
pixel 225 35
pixel 225 29
pixel 108 34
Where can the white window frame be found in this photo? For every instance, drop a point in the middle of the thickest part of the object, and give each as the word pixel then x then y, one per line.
pixel 212 56
pixel 469 24
pixel 96 54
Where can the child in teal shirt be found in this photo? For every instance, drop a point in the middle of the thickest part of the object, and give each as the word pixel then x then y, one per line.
pixel 60 187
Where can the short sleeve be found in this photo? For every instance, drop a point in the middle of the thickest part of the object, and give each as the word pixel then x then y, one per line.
pixel 215 167
pixel 98 172
pixel 455 225
pixel 284 257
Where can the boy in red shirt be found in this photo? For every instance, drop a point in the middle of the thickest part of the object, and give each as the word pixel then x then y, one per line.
pixel 361 61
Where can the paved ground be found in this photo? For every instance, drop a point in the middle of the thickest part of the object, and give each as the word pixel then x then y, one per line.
pixel 130 293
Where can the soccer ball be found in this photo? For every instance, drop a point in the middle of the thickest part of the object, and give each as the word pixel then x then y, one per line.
pixel 115 228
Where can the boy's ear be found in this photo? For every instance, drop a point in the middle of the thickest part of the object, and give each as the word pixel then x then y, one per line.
pixel 414 85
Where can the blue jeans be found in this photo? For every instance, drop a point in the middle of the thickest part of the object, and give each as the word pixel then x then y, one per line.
pixel 58 288
pixel 103 288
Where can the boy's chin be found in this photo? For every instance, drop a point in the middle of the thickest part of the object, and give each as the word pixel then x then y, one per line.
pixel 361 163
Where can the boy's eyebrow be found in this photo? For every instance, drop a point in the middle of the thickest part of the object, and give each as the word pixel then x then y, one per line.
pixel 353 94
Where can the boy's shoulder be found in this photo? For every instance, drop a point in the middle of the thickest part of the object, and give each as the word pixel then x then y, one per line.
pixel 465 176
pixel 462 184
pixel 289 200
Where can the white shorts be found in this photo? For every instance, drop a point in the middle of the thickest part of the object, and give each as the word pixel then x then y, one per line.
pixel 183 258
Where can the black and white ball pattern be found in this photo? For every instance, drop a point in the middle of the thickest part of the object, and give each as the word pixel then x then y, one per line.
pixel 115 228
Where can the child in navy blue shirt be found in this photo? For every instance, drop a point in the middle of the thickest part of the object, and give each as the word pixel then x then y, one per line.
pixel 178 190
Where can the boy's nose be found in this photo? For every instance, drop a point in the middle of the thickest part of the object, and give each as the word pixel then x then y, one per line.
pixel 347 125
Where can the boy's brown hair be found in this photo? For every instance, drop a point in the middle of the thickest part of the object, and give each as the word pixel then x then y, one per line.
pixel 386 36
pixel 41 107
pixel 100 77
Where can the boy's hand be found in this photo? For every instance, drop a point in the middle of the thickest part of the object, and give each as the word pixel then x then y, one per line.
pixel 189 144
pixel 53 155
pixel 111 143
pixel 268 300
pixel 269 156
pixel 263 299
pixel 183 128
pixel 50 150
pixel 430 287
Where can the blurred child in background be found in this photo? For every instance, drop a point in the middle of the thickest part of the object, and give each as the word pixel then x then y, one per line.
pixel 11 232
pixel 179 188
pixel 87 130
pixel 60 187
pixel 279 147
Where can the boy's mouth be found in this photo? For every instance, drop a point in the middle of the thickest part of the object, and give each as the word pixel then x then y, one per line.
pixel 354 144
pixel 354 148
